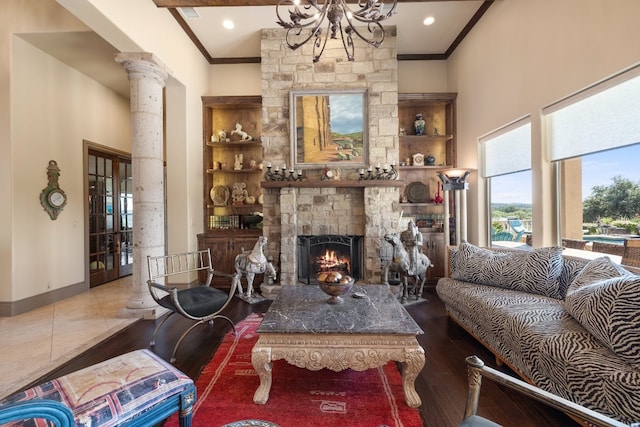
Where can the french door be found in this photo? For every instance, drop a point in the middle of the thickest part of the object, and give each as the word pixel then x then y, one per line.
pixel 110 216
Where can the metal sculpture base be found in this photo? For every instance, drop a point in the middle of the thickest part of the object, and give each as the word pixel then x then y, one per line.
pixel 252 299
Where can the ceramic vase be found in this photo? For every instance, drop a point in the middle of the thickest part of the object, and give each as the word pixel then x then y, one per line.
pixel 418 125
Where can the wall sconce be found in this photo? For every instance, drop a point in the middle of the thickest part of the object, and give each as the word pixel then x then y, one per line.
pixel 455 180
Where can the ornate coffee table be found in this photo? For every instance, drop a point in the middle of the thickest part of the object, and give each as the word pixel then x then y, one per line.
pixel 361 333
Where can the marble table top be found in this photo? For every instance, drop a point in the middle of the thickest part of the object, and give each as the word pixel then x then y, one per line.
pixel 304 309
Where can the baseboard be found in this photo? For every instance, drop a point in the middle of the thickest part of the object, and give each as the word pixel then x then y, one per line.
pixel 14 308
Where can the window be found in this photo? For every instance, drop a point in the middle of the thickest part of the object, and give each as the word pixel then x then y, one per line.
pixel 506 160
pixel 594 139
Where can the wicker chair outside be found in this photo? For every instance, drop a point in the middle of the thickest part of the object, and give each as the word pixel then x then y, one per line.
pixel 574 244
pixel 608 248
pixel 631 255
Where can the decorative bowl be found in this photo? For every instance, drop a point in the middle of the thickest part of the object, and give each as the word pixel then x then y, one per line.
pixel 336 289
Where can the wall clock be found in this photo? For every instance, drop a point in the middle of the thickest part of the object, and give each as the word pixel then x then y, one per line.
pixel 52 197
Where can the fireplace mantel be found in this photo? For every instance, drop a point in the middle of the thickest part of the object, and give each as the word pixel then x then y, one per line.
pixel 333 183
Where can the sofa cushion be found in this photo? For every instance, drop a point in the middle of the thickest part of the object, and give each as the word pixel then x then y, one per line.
pixel 610 310
pixel 536 271
pixel 596 270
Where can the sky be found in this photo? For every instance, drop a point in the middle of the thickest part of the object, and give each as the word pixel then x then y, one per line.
pixel 597 169
pixel 346 113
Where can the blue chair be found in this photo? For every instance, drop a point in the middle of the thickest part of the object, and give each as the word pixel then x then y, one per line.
pixel 501 236
pixel 517 227
pixel 134 389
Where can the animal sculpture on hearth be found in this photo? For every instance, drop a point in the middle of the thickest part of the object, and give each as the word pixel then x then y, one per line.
pixel 242 134
pixel 251 263
pixel 401 264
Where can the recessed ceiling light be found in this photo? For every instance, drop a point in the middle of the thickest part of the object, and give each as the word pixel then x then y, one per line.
pixel 189 13
pixel 228 24
pixel 429 20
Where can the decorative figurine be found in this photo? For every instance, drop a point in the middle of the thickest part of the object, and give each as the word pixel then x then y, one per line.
pixel 401 263
pixel 418 124
pixel 237 164
pixel 239 193
pixel 249 263
pixel 242 134
pixel 222 135
pixel 438 198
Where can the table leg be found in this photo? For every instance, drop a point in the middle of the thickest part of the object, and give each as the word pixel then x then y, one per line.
pixel 261 361
pixel 411 367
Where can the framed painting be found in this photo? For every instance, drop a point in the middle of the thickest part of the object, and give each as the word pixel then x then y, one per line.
pixel 329 128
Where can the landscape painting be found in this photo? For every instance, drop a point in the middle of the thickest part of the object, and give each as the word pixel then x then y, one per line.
pixel 329 128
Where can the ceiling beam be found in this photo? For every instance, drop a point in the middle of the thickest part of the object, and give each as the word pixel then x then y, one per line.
pixel 402 57
pixel 214 3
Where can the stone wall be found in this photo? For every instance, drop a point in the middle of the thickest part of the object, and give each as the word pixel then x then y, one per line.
pixel 369 211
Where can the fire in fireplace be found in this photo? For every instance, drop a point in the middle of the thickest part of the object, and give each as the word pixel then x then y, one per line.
pixel 329 253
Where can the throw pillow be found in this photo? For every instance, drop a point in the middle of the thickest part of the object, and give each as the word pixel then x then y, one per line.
pixel 536 271
pixel 610 311
pixel 597 270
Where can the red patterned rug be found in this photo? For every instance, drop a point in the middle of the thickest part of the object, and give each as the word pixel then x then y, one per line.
pixel 298 397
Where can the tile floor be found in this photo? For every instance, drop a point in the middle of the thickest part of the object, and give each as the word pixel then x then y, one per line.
pixel 33 343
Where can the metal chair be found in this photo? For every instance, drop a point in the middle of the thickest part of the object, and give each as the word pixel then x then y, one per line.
pixel 201 302
pixel 476 370
pixel 631 254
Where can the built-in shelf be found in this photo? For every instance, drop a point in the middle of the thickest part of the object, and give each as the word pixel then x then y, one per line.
pixel 234 144
pixel 234 170
pixel 421 204
pixel 333 183
pixel 431 167
pixel 425 138
pixel 237 208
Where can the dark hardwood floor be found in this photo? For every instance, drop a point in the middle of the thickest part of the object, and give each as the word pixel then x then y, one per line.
pixel 442 385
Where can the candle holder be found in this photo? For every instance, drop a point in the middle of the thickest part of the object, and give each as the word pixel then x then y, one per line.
pixel 380 174
pixel 282 175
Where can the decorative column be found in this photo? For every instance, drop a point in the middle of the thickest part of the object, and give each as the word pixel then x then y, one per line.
pixel 147 78
pixel 455 181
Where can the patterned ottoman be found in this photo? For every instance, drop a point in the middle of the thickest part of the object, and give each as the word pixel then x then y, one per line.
pixel 134 389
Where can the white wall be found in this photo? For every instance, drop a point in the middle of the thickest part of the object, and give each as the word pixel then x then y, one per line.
pixel 39 123
pixel 48 109
pixel 135 25
pixel 422 76
pixel 522 56
pixel 54 108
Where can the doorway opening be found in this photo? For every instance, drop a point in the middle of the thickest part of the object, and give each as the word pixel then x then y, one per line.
pixel 110 199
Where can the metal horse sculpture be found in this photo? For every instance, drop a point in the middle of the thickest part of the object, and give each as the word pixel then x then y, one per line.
pixel 251 263
pixel 401 264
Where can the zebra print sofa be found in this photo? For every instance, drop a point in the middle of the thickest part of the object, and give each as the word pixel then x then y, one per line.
pixel 568 325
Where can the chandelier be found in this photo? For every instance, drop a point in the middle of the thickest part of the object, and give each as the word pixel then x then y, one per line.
pixel 312 15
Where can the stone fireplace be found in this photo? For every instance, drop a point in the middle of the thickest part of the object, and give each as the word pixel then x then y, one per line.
pixel 329 253
pixel 315 207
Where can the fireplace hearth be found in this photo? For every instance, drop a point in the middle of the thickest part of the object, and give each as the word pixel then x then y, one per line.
pixel 329 253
